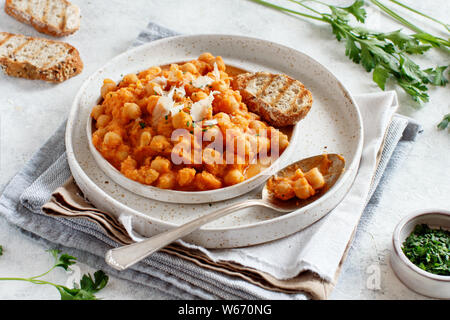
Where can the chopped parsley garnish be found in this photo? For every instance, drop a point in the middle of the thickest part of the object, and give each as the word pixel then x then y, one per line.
pixel 142 124
pixel 429 249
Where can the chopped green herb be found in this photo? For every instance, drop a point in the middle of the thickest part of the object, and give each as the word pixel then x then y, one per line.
pixel 187 124
pixel 1 250
pixel 142 124
pixel 429 249
pixel 166 117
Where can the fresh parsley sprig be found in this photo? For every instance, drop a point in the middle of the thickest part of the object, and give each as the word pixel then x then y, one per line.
pixel 84 291
pixel 387 54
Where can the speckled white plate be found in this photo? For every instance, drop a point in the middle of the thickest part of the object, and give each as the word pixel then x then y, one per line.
pixel 333 125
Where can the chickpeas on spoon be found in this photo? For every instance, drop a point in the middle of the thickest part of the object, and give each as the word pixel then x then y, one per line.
pixel 284 192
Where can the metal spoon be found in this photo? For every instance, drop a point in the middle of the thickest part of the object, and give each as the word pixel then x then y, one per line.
pixel 331 166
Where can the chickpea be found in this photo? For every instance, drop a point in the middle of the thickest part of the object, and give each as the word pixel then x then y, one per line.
pixel 112 139
pixel 150 72
pixel 152 89
pixel 207 181
pixel 152 101
pixel 148 175
pixel 185 176
pixel 130 78
pixel 131 110
pixel 216 169
pixel 257 126
pixel 161 164
pixel 315 178
pixel 229 104
pixel 220 63
pixel 108 86
pixel 284 141
pixel 145 139
pixel 220 86
pixel 283 190
pixel 97 111
pixel 122 155
pixel 159 143
pixel 303 189
pixel 263 145
pixel 166 180
pixel 189 67
pixel 207 57
pixel 181 120
pixel 127 165
pixel 223 121
pixel 198 95
pixel 278 139
pixel 103 121
pixel 233 176
pixel 298 174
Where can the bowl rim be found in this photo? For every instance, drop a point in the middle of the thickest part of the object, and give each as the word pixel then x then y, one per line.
pixel 353 165
pixel 397 244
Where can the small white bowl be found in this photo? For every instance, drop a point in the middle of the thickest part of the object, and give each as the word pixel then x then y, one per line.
pixel 418 280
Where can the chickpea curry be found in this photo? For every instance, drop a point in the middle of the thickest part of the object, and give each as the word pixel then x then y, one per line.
pixel 183 127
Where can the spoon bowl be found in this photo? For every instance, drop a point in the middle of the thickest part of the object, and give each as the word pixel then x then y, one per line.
pixel 330 165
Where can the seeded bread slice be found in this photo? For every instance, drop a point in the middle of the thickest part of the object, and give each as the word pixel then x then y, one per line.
pixel 277 98
pixel 38 59
pixel 54 17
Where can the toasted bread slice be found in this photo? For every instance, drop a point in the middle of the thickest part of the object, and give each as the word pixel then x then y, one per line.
pixel 54 17
pixel 277 98
pixel 38 59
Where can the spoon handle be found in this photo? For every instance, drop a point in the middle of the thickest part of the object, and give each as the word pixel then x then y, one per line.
pixel 125 256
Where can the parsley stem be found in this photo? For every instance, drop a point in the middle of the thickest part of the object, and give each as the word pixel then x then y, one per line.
pixel 35 281
pixel 446 26
pixel 407 23
pixel 43 274
pixel 306 7
pixel 267 4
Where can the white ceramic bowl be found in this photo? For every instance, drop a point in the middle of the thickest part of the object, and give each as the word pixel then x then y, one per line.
pixel 418 280
pixel 175 196
pixel 333 125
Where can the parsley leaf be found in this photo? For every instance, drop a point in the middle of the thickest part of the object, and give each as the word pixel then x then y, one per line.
pixel 1 250
pixel 63 260
pixel 357 10
pixel 436 76
pixel 380 76
pixel 94 285
pixel 444 123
